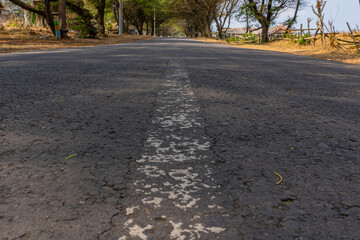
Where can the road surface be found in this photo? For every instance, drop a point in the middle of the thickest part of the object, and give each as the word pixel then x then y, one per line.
pixel 178 139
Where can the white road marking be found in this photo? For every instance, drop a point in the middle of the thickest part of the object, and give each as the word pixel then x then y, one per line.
pixel 175 169
pixel 131 210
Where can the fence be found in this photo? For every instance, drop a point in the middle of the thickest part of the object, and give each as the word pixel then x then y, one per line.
pixel 332 35
pixel 292 36
pixel 297 35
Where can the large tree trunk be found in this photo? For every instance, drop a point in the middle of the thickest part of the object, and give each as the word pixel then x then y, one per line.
pixel 147 27
pixel 265 33
pixel 208 30
pixel 126 26
pixel 140 28
pixel 49 18
pixel 100 17
pixel 62 17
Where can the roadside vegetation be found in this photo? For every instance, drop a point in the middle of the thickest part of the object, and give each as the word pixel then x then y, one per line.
pixel 261 32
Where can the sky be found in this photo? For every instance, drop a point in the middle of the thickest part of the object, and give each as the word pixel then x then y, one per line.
pixel 340 11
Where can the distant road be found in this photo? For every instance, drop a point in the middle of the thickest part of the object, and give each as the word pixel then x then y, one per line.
pixel 178 139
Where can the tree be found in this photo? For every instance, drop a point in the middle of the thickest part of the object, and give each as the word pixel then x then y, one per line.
pixel 141 12
pixel 291 21
pixel 223 14
pixel 266 11
pixel 85 16
pixel 318 11
pixel 163 13
pixel 135 14
pixel 115 7
pixel 245 16
pixel 199 14
pixel 62 17
pixel 46 14
pixel 99 5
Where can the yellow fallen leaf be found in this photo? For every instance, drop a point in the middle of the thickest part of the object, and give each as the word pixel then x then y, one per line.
pixel 279 177
pixel 71 156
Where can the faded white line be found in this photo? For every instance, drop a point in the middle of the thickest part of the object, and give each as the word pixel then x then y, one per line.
pixel 175 173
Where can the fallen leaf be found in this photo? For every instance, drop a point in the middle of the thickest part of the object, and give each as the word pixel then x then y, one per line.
pixel 279 177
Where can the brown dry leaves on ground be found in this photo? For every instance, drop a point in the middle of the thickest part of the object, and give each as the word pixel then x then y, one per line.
pixel 293 48
pixel 15 40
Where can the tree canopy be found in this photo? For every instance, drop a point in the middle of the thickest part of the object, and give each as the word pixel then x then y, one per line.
pixel 196 17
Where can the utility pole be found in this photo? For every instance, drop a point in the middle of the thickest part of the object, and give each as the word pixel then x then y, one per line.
pixel 154 21
pixel 121 18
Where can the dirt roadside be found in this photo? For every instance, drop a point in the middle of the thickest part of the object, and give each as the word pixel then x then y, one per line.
pixel 288 47
pixel 19 41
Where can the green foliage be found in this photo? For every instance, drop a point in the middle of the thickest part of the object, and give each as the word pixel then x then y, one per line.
pixel 233 39
pixel 245 38
pixel 32 17
pixel 172 27
pixel 303 41
pixel 79 24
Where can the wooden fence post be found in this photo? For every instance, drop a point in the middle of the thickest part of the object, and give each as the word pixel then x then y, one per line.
pixel 352 35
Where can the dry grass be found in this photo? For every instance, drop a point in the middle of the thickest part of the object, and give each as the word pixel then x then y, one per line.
pixel 36 38
pixel 347 56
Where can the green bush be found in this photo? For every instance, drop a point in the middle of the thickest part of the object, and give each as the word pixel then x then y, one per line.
pixel 233 39
pixel 249 37
pixel 303 41
pixel 84 28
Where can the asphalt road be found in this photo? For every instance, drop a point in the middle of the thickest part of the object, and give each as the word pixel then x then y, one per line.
pixel 178 139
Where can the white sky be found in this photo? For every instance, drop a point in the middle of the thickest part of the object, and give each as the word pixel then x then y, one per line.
pixel 341 11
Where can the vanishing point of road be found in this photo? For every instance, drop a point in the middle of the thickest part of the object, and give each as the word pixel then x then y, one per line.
pixel 178 139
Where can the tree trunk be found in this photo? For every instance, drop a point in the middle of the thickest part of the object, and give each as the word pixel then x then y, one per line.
pixel 62 17
pixel 85 15
pixel 293 20
pixel 141 28
pixel 116 6
pixel 126 26
pixel 247 23
pixel 265 33
pixel 208 30
pixel 100 17
pixel 50 18
pixel 219 28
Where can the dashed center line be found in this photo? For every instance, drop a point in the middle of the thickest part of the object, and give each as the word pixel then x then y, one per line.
pixel 176 187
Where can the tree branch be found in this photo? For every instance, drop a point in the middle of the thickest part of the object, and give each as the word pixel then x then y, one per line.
pixel 28 7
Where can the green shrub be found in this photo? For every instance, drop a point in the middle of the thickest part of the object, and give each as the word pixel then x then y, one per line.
pixel 85 29
pixel 233 39
pixel 303 41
